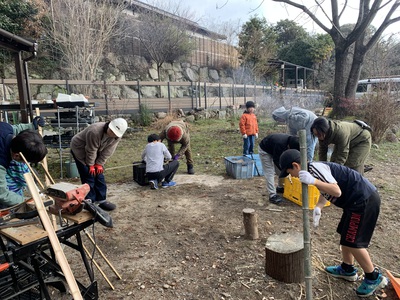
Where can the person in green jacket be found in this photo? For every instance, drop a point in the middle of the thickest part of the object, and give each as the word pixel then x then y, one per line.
pixel 352 142
pixel 16 139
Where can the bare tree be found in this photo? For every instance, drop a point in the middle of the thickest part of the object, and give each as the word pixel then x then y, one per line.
pixel 345 84
pixel 164 35
pixel 81 31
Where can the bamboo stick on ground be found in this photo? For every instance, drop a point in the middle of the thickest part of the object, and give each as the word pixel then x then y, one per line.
pixel 102 254
pixel 98 267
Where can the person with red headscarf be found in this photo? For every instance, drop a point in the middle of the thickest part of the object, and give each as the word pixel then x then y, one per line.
pixel 177 132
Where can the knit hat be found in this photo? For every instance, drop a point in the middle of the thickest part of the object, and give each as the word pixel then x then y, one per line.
pixel 250 104
pixel 174 133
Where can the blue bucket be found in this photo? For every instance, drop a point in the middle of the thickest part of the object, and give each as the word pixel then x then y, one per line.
pixel 72 170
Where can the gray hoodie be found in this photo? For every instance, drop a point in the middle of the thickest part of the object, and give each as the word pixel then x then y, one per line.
pixel 298 118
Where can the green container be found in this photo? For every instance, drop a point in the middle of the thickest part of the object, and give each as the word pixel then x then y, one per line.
pixel 72 170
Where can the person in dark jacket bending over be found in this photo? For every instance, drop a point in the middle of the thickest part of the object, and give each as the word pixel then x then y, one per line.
pixel 352 143
pixel 16 139
pixel 177 132
pixel 270 149
pixel 91 148
pixel 360 201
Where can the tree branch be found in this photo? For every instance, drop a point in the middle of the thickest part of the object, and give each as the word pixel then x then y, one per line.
pixel 307 11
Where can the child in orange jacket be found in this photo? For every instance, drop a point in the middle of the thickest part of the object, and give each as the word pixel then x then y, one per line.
pixel 248 128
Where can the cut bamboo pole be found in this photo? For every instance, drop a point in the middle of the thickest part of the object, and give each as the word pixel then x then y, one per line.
pixel 98 267
pixel 102 254
pixel 55 243
pixel 44 165
pixel 44 161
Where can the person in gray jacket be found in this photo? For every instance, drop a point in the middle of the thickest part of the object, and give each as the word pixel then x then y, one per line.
pixel 91 148
pixel 352 142
pixel 296 119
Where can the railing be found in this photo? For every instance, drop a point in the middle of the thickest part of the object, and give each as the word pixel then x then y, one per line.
pixel 121 97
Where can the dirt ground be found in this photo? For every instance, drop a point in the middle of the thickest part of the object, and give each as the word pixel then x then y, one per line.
pixel 186 242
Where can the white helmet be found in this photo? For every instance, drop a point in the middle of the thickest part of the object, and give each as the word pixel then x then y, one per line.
pixel 118 126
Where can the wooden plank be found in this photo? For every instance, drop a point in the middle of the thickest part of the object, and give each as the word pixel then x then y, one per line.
pixel 79 218
pixel 25 234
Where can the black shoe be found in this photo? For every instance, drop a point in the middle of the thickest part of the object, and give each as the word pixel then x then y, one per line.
pixel 279 189
pixel 275 199
pixel 367 168
pixel 190 169
pixel 107 206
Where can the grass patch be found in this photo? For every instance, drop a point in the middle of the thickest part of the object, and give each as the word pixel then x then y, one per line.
pixel 211 141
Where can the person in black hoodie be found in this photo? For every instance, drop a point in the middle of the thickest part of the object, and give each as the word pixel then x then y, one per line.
pixel 270 149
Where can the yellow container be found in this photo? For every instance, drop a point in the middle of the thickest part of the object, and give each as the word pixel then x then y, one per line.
pixel 292 192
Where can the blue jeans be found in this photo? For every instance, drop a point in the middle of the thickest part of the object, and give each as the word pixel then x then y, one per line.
pixel 248 144
pixel 97 183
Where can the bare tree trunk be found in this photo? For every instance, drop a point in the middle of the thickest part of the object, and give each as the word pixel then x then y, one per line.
pixel 340 82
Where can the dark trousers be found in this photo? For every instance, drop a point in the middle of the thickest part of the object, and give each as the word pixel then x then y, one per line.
pixel 248 144
pixel 167 173
pixel 97 183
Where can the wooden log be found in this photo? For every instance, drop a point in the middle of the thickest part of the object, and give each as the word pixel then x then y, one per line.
pixel 284 257
pixel 250 224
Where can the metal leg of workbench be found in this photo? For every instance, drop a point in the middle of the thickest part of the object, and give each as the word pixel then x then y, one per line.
pixel 44 292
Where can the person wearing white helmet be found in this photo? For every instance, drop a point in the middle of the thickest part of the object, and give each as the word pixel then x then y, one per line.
pixel 91 148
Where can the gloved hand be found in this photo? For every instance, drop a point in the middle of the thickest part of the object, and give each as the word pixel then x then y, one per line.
pixel 39 120
pixel 92 170
pixel 99 169
pixel 176 157
pixel 306 177
pixel 316 216
pixel 256 135
pixel 244 136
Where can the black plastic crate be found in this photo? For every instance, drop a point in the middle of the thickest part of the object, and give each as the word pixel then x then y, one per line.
pixel 139 174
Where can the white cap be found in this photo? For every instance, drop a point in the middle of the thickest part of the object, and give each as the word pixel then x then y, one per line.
pixel 118 126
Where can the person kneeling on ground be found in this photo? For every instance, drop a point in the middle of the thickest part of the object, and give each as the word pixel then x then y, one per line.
pixel 270 149
pixel 153 155
pixel 177 132
pixel 360 201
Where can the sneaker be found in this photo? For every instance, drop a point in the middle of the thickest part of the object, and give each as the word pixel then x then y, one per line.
pixel 279 189
pixel 338 272
pixel 107 205
pixel 368 287
pixel 275 199
pixel 153 184
pixel 168 184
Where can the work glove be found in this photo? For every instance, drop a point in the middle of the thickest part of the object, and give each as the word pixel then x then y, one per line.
pixel 306 177
pixel 256 135
pixel 39 120
pixel 244 136
pixel 316 216
pixel 176 157
pixel 92 170
pixel 99 169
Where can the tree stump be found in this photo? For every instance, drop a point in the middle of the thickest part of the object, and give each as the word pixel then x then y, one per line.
pixel 284 257
pixel 250 224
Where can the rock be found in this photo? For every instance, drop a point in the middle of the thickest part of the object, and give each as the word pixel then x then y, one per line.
pixel 191 75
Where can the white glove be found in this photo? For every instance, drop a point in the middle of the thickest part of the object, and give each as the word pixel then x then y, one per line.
pixel 256 135
pixel 316 216
pixel 244 136
pixel 306 177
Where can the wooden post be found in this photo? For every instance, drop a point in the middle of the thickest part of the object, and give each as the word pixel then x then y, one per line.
pixel 284 257
pixel 250 224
